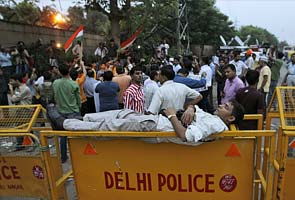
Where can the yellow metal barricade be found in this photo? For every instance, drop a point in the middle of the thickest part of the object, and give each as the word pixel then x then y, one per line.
pixel 23 173
pixel 129 165
pixel 282 107
pixel 23 118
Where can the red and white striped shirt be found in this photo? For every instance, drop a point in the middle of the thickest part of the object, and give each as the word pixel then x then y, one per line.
pixel 133 98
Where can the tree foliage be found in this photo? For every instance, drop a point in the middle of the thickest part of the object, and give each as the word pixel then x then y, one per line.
pixel 115 10
pixel 261 34
pixel 26 12
pixel 206 23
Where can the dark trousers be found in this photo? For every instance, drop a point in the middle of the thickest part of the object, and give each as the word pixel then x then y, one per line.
pixel 90 105
pixel 272 88
pixel 63 139
pixel 84 108
pixel 220 87
pixel 121 105
pixel 205 104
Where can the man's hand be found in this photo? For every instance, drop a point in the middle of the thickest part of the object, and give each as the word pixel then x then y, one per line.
pixel 170 111
pixel 188 116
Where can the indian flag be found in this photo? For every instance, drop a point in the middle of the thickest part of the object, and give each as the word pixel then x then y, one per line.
pixel 74 38
pixel 127 43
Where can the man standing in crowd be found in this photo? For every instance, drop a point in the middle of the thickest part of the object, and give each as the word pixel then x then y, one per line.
pixel 133 97
pixel 275 74
pixel 171 94
pixel 220 78
pixel 89 87
pixel 250 61
pixel 68 101
pixel 100 52
pixel 20 96
pixel 207 100
pixel 232 84
pixel 264 77
pixel 112 54
pixel 176 64
pixel 124 82
pixel 108 92
pixel 241 67
pixel 150 86
pixel 290 77
pixel 78 74
pixel 251 100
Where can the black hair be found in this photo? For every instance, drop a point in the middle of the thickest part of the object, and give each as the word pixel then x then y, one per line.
pixel 280 55
pixel 231 66
pixel 136 68
pixel 154 67
pixel 64 69
pixel 74 74
pixel 120 69
pixel 252 77
pixel 153 74
pixel 206 60
pixel 47 76
pixel 238 112
pixel 188 64
pixel 183 71
pixel 108 76
pixel 168 72
pixel 90 73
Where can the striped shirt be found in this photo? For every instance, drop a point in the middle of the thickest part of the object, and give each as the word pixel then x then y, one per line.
pixel 133 98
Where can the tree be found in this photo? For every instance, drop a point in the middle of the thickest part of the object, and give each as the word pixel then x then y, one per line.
pixel 47 17
pixel 206 23
pixel 282 44
pixel 26 12
pixel 115 10
pixel 261 34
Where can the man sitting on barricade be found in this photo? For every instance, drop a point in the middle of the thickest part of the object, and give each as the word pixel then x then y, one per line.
pixel 192 126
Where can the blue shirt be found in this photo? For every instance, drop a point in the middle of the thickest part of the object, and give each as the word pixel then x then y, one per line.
pixel 5 60
pixel 291 68
pixel 189 82
pixel 89 86
pixel 108 98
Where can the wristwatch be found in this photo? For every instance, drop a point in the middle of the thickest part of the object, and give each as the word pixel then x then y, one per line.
pixel 170 116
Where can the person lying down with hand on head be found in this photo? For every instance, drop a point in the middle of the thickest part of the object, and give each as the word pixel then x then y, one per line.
pixel 191 125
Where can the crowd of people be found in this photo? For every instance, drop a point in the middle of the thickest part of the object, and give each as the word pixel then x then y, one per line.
pixel 161 87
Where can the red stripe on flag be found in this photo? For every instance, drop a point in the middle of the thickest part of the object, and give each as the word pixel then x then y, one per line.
pixel 72 38
pixel 130 40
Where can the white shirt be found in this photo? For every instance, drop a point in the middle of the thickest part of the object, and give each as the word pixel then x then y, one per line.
pixel 208 71
pixel 240 65
pixel 39 81
pixel 149 89
pixel 250 62
pixel 204 125
pixel 176 68
pixel 171 95
pixel 96 97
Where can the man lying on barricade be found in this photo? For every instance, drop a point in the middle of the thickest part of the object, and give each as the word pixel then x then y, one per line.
pixel 191 125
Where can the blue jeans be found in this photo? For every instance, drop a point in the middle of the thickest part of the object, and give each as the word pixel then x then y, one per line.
pixel 63 139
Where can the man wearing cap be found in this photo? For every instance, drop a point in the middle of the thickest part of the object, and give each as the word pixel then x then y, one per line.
pixel 241 67
pixel 264 77
pixel 250 61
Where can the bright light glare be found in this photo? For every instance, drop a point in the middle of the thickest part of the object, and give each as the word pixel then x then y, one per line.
pixel 59 18
pixel 58 45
